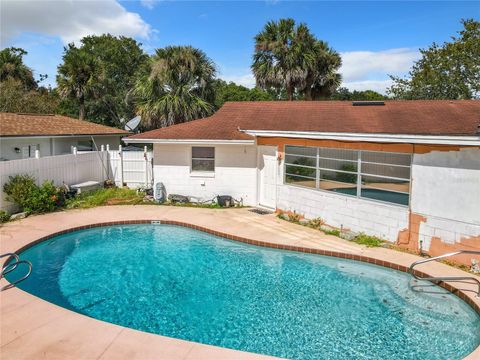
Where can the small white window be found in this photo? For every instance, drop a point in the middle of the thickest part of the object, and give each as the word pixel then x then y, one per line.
pixel 203 159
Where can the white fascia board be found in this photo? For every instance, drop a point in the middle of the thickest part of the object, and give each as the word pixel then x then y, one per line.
pixel 380 138
pixel 189 141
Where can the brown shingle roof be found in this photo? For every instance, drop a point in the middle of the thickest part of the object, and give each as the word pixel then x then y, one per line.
pixel 12 124
pixel 418 117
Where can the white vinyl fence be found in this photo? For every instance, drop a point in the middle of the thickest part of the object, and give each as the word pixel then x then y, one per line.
pixel 136 165
pixel 61 169
pixel 131 167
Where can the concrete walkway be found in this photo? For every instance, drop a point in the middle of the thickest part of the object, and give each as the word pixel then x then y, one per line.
pixel 32 328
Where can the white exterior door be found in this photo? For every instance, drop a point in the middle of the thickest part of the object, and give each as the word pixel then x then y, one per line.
pixel 267 175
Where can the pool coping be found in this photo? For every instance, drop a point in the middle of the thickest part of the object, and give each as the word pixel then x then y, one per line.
pixel 467 298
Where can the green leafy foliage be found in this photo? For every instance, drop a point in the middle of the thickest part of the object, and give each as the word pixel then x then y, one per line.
pixel 447 71
pixel 333 232
pixel 232 92
pixel 14 97
pixel 95 79
pixel 292 62
pixel 13 68
pixel 178 88
pixel 347 178
pixel 343 94
pixel 4 216
pixel 369 241
pixel 22 190
pixel 316 223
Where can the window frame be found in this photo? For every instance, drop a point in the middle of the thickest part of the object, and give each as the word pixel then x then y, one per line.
pixel 358 173
pixel 202 172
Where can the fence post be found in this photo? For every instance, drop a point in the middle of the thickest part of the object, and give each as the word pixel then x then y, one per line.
pixel 37 163
pixel 74 151
pixel 120 163
pixel 145 155
pixel 108 163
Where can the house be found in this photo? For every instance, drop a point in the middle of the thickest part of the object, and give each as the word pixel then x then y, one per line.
pixel 406 171
pixel 22 134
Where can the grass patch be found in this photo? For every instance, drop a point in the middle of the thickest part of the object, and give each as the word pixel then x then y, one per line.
pixel 367 240
pixel 334 232
pixel 111 196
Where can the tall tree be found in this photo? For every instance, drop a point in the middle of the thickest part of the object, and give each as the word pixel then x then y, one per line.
pixel 282 55
pixel 12 67
pixel 76 76
pixel 448 71
pixel 232 92
pixel 346 95
pixel 178 88
pixel 289 58
pixel 119 60
pixel 15 98
pixel 322 78
pixel 96 77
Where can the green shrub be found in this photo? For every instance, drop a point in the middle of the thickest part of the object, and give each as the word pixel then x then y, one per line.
pixel 316 223
pixel 332 232
pixel 4 216
pixel 22 190
pixel 19 189
pixel 367 240
pixel 294 217
pixel 347 178
pixel 42 199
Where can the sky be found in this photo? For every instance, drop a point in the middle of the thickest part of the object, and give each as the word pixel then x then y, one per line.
pixel 374 38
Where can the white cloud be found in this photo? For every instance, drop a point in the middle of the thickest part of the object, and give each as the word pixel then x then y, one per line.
pixel 69 19
pixel 149 4
pixel 361 65
pixel 379 86
pixel 247 80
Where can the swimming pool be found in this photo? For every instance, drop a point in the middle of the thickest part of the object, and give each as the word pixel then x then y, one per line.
pixel 186 284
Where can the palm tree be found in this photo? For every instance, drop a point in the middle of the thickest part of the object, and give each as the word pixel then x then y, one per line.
pixel 322 78
pixel 12 67
pixel 283 53
pixel 76 76
pixel 290 58
pixel 178 88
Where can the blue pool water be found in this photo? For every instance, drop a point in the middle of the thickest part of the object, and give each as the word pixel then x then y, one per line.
pixel 186 284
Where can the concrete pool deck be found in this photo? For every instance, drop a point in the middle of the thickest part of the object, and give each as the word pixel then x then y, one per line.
pixel 32 328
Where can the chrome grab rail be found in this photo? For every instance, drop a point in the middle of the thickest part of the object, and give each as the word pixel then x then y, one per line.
pixel 445 278
pixel 12 266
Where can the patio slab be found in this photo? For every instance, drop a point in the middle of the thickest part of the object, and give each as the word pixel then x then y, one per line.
pixel 32 328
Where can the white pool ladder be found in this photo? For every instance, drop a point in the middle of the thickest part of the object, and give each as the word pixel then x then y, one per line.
pixel 11 266
pixel 445 278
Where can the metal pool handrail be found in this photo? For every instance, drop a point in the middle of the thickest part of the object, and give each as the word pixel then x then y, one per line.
pixel 12 266
pixel 445 278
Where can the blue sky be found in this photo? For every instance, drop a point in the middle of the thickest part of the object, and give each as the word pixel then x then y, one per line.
pixel 375 38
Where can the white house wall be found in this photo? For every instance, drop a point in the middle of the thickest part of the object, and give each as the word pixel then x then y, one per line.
pixel 50 146
pixel 235 172
pixel 446 193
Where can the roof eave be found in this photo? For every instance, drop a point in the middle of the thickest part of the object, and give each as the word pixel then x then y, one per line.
pixel 467 140
pixel 189 141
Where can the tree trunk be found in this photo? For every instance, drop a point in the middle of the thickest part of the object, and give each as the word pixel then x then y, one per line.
pixel 81 106
pixel 81 112
pixel 289 92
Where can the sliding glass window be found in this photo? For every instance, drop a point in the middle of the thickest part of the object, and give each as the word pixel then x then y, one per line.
pixel 369 174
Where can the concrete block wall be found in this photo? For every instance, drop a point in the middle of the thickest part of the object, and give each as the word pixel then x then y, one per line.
pixel 359 215
pixel 235 172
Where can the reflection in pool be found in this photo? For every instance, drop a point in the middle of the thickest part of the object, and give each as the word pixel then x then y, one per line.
pixel 376 194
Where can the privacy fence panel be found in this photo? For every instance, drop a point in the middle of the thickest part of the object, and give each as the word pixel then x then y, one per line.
pixel 136 166
pixel 62 169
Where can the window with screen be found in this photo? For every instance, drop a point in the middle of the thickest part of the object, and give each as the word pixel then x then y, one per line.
pixel 203 159
pixel 374 175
